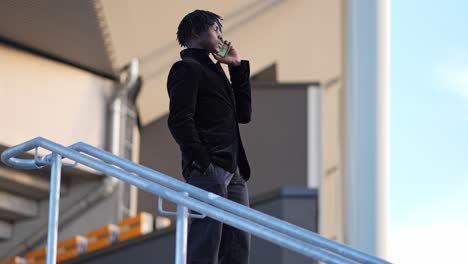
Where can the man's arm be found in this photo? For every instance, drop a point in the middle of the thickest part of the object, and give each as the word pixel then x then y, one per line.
pixel 240 78
pixel 182 87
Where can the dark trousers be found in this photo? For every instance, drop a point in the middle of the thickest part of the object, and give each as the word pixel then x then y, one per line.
pixel 210 241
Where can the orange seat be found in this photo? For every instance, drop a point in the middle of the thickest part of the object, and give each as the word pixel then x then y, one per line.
pixel 71 248
pixel 37 256
pixel 138 225
pixel 102 237
pixel 66 249
pixel 15 260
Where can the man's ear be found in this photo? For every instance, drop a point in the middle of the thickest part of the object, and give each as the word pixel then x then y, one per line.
pixel 195 34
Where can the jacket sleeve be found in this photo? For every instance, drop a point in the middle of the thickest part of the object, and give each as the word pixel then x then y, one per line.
pixel 182 87
pixel 240 83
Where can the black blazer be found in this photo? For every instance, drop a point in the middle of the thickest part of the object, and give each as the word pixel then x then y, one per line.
pixel 205 111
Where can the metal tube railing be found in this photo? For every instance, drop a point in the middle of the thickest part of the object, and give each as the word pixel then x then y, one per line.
pixel 264 219
pixel 54 208
pixel 215 213
pixel 232 215
pixel 181 233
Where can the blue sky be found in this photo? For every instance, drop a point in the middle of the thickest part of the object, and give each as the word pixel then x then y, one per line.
pixel 429 132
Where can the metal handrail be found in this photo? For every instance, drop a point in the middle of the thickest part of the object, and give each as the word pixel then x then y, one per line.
pixel 185 196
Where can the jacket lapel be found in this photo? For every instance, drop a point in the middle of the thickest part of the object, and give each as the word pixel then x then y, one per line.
pixel 227 83
pixel 221 72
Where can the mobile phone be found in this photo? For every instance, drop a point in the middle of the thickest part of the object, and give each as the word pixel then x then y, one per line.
pixel 224 50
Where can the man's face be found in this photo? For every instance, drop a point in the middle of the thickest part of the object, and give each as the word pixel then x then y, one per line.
pixel 212 39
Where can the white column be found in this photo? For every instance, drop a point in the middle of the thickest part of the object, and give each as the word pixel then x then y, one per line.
pixel 366 117
pixel 314 136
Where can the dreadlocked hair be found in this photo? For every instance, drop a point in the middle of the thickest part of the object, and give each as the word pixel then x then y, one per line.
pixel 196 22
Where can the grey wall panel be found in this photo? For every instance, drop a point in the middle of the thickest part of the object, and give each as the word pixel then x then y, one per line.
pixel 298 206
pixel 276 138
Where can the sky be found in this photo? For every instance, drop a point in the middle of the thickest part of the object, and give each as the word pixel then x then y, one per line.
pixel 428 132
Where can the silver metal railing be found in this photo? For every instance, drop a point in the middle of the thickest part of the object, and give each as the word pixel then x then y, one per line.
pixel 184 195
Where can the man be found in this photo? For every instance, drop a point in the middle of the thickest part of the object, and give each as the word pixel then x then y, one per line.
pixel 204 115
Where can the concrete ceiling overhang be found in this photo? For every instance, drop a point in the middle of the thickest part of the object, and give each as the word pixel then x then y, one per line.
pixel 73 32
pixel 102 36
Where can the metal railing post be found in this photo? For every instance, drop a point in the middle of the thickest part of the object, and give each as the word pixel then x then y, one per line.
pixel 53 208
pixel 181 233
